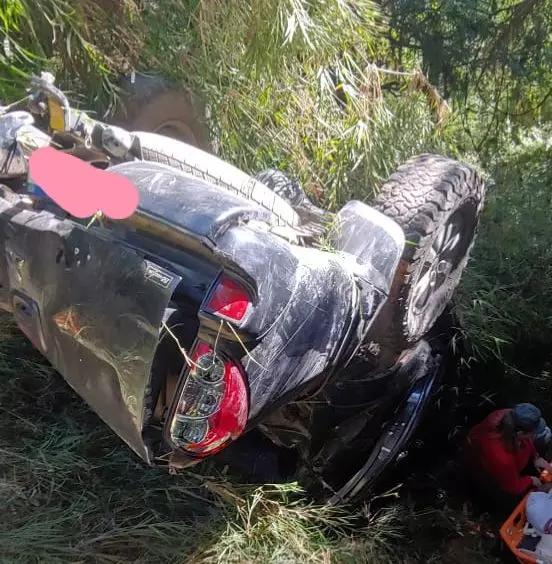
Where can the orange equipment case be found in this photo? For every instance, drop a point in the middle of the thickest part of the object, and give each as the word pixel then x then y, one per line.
pixel 512 531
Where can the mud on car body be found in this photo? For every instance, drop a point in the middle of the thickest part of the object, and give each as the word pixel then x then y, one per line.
pixel 214 310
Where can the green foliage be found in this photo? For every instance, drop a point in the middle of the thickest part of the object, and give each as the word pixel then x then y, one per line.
pixel 506 295
pixel 85 44
pixel 271 79
pixel 285 90
pixel 493 59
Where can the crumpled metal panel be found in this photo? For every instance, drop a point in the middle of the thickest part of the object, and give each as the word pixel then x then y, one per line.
pixel 92 307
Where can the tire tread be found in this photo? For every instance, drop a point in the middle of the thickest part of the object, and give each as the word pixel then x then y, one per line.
pixel 419 196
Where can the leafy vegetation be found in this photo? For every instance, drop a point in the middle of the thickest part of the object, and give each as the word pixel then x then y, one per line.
pixel 85 44
pixel 491 59
pixel 338 93
pixel 508 288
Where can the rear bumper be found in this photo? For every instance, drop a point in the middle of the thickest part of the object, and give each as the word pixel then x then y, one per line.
pixel 424 381
pixel 394 439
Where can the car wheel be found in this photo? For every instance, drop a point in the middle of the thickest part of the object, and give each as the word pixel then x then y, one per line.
pixel 312 217
pixel 201 164
pixel 437 201
pixel 150 103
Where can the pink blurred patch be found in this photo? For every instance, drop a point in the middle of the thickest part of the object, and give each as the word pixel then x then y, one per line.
pixel 79 188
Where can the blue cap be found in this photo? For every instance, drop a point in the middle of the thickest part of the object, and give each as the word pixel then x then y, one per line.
pixel 528 418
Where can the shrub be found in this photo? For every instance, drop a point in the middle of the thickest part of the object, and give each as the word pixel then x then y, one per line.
pixel 505 300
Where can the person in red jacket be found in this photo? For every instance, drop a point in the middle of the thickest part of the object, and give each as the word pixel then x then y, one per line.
pixel 499 450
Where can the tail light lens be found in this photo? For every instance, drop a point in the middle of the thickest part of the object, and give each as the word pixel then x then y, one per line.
pixel 213 405
pixel 229 300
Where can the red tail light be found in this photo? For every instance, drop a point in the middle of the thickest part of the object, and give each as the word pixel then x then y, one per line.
pixel 229 300
pixel 213 405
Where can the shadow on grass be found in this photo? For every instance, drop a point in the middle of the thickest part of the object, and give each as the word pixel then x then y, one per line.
pixel 71 491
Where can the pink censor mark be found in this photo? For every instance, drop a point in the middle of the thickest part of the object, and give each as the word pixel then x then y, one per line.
pixel 79 188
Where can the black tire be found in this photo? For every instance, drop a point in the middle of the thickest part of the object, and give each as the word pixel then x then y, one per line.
pixel 283 185
pixel 151 103
pixel 313 218
pixel 437 201
pixel 191 160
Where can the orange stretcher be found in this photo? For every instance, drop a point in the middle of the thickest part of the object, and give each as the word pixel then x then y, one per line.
pixel 526 546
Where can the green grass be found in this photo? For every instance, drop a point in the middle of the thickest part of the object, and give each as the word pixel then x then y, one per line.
pixel 506 294
pixel 71 491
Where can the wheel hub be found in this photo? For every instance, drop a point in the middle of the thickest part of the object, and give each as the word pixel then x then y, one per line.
pixel 440 263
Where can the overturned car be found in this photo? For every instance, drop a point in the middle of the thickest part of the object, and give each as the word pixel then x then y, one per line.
pixel 228 303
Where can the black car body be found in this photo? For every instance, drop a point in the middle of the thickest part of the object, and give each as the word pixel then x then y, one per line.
pixel 203 316
pixel 108 293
